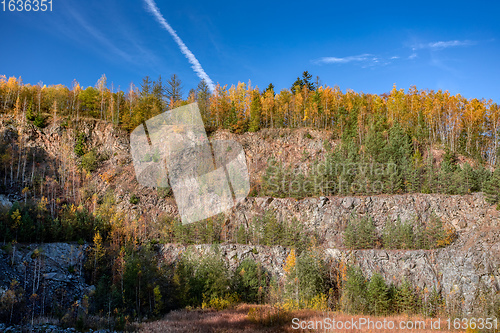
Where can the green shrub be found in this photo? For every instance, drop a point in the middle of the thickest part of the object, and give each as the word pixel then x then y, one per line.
pixel 164 192
pixel 327 145
pixel 398 235
pixel 147 157
pixel 360 233
pixel 39 121
pixel 492 188
pixel 30 115
pixel 306 279
pixel 201 277
pixel 434 234
pixel 80 145
pixel 267 230
pixel 250 281
pixel 89 161
pixel 134 199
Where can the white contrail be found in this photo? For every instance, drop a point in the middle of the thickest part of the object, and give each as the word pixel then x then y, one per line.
pixel 195 64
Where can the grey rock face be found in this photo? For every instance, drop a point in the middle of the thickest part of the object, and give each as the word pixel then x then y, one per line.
pixel 51 271
pixel 460 272
pixel 328 216
pixel 271 258
pixel 5 202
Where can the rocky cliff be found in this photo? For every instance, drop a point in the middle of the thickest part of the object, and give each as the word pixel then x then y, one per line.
pixel 467 273
pixel 461 271
pixel 329 215
pixel 52 273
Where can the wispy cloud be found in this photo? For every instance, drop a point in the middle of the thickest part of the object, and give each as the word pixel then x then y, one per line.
pixel 358 58
pixel 442 44
pixel 412 56
pixel 364 60
pixel 195 64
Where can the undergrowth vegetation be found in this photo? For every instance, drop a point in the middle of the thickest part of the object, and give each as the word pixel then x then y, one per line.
pixel 361 233
pixel 378 164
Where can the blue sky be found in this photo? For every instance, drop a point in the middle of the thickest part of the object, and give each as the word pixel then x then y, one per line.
pixel 362 45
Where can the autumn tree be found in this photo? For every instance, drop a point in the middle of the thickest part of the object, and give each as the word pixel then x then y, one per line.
pixel 101 85
pixel 255 112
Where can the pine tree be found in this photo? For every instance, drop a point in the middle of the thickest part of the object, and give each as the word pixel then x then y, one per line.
pixel 203 99
pixel 360 233
pixel 415 172
pixel 146 86
pixel 311 274
pixel 395 181
pixel 297 85
pixel 350 237
pixel 241 236
pixel 399 147
pixel 378 295
pixel 250 281
pixel 492 188
pixel 483 175
pixel 173 90
pixel 158 94
pixel 466 180
pixel 273 229
pixel 306 79
pixel 367 233
pixel 374 144
pixel 449 173
pixel 354 292
pixel 405 298
pixel 434 303
pixel 388 236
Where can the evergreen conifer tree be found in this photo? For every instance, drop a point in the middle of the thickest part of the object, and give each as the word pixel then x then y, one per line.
pixel 354 298
pixel 405 298
pixel 350 237
pixel 492 188
pixel 378 296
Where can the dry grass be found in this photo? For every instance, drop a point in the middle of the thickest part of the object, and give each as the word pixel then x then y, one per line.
pixel 263 318
pixel 205 321
pixel 45 320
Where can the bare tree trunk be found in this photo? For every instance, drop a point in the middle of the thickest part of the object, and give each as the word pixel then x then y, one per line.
pixel 33 167
pixel 19 161
pixel 24 168
pixel 118 107
pixel 41 183
pixel 11 171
